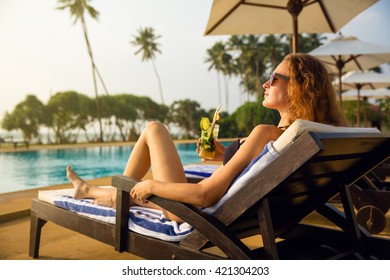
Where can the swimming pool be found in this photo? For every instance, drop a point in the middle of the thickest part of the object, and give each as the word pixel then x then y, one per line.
pixel 35 169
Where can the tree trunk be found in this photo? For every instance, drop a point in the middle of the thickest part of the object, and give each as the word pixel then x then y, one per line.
pixel 159 82
pixel 94 79
pixel 219 88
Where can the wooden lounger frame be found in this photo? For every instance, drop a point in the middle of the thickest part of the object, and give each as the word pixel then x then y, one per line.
pixel 302 179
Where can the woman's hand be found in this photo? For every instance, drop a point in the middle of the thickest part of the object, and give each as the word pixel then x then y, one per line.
pixel 141 191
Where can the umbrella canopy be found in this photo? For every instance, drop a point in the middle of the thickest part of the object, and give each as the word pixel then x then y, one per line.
pixel 344 54
pixel 282 16
pixel 380 93
pixel 365 79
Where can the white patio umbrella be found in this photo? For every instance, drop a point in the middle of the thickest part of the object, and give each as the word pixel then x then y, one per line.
pixel 233 17
pixel 344 54
pixel 363 79
pixel 379 93
pixel 352 94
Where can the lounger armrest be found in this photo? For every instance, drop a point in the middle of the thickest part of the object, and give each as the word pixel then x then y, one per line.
pixel 123 183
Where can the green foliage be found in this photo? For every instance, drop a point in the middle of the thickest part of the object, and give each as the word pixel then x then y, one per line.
pixel 67 111
pixel 252 57
pixel 146 41
pixel 384 111
pixel 377 114
pixel 27 116
pixel 309 42
pixel 251 114
pixel 131 111
pixel 186 114
pixel 77 8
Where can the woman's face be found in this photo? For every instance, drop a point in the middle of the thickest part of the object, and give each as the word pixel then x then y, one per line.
pixel 275 95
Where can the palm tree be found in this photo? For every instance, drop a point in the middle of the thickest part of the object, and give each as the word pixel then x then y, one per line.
pixel 247 65
pixel 214 62
pixel 308 42
pixel 236 44
pixel 146 41
pixel 77 9
pixel 222 61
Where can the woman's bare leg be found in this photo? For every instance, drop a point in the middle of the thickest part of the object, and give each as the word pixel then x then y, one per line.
pixel 155 149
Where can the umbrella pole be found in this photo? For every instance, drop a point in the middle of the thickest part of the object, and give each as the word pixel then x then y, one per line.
pixel 365 110
pixel 340 65
pixel 358 107
pixel 295 43
pixel 340 89
pixel 294 7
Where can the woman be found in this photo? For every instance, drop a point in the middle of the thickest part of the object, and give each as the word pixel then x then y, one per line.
pixel 299 88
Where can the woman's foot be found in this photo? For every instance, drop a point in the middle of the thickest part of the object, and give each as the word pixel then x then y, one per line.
pixel 81 188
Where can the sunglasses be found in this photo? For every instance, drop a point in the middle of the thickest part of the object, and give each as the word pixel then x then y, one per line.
pixel 272 77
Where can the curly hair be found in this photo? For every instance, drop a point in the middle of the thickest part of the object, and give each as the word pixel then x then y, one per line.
pixel 310 91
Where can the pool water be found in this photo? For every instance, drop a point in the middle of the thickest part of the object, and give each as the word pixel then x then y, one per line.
pixel 35 169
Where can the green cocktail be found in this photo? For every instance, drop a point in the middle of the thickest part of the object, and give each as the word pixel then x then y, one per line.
pixel 209 133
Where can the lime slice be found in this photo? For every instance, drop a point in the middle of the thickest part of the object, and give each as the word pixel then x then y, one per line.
pixel 204 123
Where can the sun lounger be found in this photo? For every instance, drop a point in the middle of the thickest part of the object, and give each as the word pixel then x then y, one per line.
pixel 294 176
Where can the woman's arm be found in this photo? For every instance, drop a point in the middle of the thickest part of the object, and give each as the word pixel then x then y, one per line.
pixel 207 192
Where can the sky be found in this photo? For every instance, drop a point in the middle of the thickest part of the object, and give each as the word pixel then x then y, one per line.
pixel 42 52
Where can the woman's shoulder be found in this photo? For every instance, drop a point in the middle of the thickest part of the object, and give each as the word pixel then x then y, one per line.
pixel 266 127
pixel 272 131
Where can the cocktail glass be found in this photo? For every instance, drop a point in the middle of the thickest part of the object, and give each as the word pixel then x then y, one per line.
pixel 207 146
